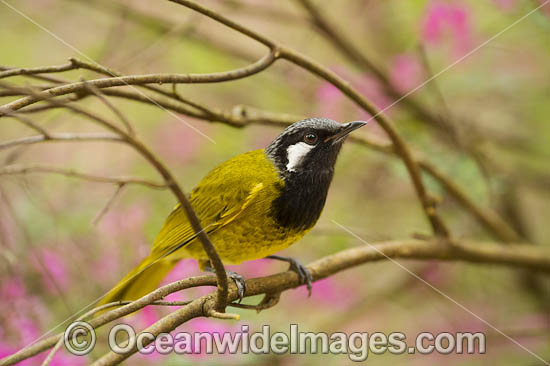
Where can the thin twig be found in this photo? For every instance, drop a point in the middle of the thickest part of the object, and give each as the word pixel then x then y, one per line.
pixel 244 116
pixel 110 72
pixel 342 43
pixel 110 82
pixel 30 123
pixel 37 70
pixel 36 168
pixel 60 137
pixel 515 255
pixel 109 203
pixel 317 69
pixel 54 350
pixel 330 265
pixel 112 107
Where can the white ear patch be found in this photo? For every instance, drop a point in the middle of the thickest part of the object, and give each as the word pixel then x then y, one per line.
pixel 296 153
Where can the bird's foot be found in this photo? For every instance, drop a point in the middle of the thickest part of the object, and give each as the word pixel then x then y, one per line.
pixel 303 273
pixel 239 280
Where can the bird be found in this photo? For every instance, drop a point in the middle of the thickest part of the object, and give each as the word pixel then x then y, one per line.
pixel 251 206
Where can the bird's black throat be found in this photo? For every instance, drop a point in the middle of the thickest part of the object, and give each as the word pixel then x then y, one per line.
pixel 302 198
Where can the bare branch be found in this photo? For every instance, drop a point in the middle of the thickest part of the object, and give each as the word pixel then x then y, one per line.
pixel 37 70
pixel 243 116
pixel 110 72
pixel 60 137
pixel 514 255
pixel 260 65
pixel 341 42
pixel 344 260
pixel 30 123
pixel 112 107
pixel 109 203
pixel 27 169
pixel 317 69
pixel 489 218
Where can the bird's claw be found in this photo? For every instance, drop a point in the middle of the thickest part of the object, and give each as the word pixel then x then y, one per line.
pixel 239 282
pixel 303 273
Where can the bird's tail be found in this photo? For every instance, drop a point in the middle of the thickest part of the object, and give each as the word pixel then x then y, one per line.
pixel 141 280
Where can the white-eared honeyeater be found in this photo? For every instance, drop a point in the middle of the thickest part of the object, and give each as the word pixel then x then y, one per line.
pixel 251 206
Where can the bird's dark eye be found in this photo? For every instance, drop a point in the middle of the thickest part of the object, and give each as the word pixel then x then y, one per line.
pixel 310 138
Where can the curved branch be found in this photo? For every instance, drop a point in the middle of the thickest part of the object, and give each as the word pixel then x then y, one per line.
pixel 28 169
pixel 175 188
pixel 108 317
pixel 519 256
pixel 489 218
pixel 36 70
pixel 168 177
pixel 60 137
pixel 242 116
pixel 317 69
pixel 110 72
pixel 236 74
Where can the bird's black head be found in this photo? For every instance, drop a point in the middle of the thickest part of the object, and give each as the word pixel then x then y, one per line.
pixel 310 145
pixel 305 154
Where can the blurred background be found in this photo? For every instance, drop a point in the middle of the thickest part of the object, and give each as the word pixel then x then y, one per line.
pixel 487 128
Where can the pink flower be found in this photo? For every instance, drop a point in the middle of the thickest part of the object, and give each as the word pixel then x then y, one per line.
pixel 6 350
pixel 62 358
pixel 107 267
pixel 204 325
pixel 178 141
pixel 331 292
pixel 505 5
pixel 27 328
pixel 327 292
pixel 329 99
pixel 149 315
pixel 406 72
pixel 255 268
pixel 442 18
pixel 333 104
pixel 434 273
pixel 122 222
pixel 12 288
pixel 184 268
pixel 53 269
pixel 546 8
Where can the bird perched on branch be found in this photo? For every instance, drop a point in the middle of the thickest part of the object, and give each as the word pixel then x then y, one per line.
pixel 251 206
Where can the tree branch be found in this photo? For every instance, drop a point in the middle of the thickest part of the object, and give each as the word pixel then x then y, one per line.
pixel 243 116
pixel 534 259
pixel 236 74
pixel 172 184
pixel 60 137
pixel 317 69
pixel 37 70
pixel 28 169
pixel 514 255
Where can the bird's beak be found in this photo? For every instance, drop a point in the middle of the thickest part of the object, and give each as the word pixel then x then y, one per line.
pixel 345 130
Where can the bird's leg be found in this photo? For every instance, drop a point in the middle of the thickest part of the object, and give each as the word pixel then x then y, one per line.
pixel 237 278
pixel 303 273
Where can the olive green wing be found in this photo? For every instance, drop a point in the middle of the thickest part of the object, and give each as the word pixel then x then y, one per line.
pixel 214 205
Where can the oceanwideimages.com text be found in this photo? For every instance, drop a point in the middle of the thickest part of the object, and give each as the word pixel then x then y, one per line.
pixel 80 339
